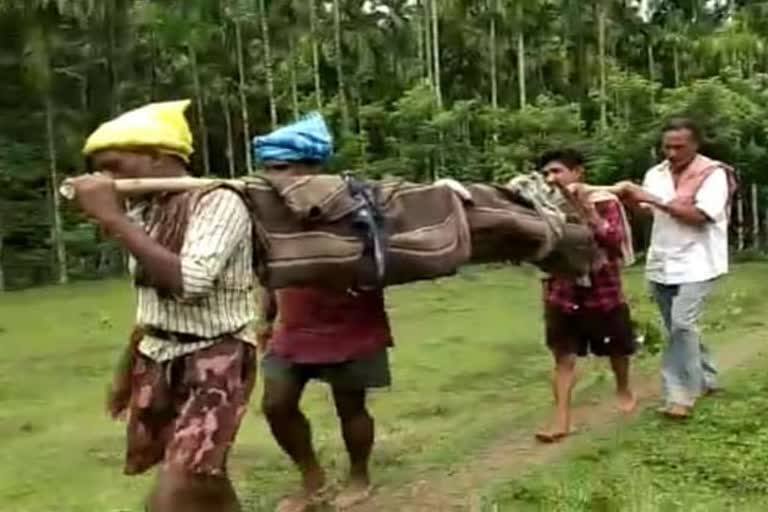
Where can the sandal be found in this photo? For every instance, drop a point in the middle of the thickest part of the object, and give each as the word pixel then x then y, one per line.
pixel 676 412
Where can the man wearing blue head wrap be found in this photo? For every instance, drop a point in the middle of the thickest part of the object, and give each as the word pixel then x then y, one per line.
pixel 311 333
pixel 307 140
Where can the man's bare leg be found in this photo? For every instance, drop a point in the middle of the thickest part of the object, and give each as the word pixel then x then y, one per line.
pixel 626 398
pixel 179 491
pixel 293 433
pixel 564 377
pixel 358 430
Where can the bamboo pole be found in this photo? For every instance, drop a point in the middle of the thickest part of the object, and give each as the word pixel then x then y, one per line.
pixel 140 186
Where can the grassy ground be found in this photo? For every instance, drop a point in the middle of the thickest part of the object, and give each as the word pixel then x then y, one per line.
pixel 469 365
pixel 714 463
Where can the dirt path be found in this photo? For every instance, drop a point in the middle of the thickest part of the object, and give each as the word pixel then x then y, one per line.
pixel 459 487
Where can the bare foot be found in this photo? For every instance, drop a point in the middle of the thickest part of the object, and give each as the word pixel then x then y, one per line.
pixel 554 434
pixel 314 491
pixel 297 503
pixel 355 492
pixel 627 402
pixel 548 437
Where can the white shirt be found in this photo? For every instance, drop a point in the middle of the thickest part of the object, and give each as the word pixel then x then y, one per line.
pixel 682 253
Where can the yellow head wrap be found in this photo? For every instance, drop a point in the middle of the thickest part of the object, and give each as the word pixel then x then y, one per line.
pixel 158 125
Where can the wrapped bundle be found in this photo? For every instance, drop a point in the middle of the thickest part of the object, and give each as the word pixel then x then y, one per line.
pixel 506 226
pixel 334 231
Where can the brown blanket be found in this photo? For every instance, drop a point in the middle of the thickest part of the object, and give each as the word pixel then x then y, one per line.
pixel 505 228
pixel 308 231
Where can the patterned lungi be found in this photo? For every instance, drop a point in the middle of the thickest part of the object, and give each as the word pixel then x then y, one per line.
pixel 186 412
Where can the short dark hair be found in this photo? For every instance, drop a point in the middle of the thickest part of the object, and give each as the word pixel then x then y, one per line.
pixel 683 123
pixel 569 157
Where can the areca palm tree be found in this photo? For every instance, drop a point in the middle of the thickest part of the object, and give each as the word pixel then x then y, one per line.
pixel 237 20
pixel 268 65
pixel 435 13
pixel 601 9
pixel 315 35
pixel 338 60
pixel 735 45
pixel 521 64
pixel 40 78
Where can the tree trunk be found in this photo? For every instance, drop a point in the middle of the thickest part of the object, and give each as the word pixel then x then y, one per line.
pixel 651 62
pixel 230 151
pixel 343 108
pixel 521 78
pixel 651 72
pixel 438 86
pixel 740 221
pixel 315 54
pixel 153 86
pixel 294 83
pixel 601 21
pixel 427 34
pixel 429 161
pixel 112 60
pixel 268 63
pixel 364 141
pixel 676 64
pixel 57 230
pixel 419 39
pixel 755 218
pixel 2 271
pixel 436 54
pixel 765 229
pixel 243 98
pixel 200 106
pixel 494 79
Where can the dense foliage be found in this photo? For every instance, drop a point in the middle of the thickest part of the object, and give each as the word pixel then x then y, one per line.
pixel 413 88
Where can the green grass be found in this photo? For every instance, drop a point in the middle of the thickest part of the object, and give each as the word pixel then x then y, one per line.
pixel 469 364
pixel 715 462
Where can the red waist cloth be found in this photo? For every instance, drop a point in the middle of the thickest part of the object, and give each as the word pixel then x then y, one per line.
pixel 316 326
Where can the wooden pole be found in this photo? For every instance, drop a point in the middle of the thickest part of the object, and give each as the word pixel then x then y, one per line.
pixel 140 186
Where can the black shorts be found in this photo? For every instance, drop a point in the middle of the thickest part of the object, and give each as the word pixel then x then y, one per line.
pixel 367 372
pixel 603 333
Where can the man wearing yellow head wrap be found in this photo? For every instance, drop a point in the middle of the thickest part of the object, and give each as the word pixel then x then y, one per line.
pixel 187 375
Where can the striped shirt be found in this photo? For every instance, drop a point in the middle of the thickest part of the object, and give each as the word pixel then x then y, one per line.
pixel 217 279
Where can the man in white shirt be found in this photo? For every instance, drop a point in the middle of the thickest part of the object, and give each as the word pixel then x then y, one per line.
pixel 689 196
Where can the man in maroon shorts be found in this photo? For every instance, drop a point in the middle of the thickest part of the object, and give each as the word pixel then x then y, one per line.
pixel 589 314
pixel 338 336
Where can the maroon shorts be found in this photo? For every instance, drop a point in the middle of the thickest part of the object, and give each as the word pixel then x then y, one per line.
pixel 603 333
pixel 186 412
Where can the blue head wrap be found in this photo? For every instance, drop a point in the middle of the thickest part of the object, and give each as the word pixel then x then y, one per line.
pixel 306 139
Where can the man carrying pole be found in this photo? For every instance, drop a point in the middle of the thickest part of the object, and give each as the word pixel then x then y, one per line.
pixel 188 373
pixel 689 195
pixel 588 314
pixel 337 336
